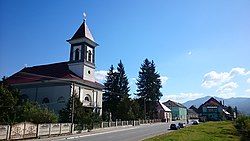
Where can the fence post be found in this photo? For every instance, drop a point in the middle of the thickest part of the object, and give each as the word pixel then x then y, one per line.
pixel 8 133
pixel 116 122
pixel 102 125
pixel 49 129
pixel 37 130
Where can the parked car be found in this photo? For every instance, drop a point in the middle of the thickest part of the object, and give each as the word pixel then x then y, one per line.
pixel 195 122
pixel 174 127
pixel 182 125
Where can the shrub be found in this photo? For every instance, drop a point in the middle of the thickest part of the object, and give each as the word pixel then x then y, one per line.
pixel 242 124
pixel 32 112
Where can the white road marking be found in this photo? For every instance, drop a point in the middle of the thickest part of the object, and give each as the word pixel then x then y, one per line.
pixel 75 137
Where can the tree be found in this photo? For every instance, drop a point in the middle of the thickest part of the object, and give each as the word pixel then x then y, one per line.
pixel 148 87
pixel 80 112
pixel 116 97
pixel 13 109
pixel 9 100
pixel 83 116
pixel 32 112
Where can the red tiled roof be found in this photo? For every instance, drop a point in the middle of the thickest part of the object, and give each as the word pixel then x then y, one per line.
pixel 56 71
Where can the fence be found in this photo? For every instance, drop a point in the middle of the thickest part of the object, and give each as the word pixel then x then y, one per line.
pixel 26 130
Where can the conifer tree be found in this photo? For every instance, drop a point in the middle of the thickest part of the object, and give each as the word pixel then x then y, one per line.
pixel 116 97
pixel 149 85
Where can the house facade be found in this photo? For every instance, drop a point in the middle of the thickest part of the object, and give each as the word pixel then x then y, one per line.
pixel 178 111
pixel 52 85
pixel 212 110
pixel 164 113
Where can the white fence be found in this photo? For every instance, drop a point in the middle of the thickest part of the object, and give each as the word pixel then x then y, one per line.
pixel 26 130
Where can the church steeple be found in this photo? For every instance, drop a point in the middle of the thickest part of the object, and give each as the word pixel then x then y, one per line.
pixel 82 52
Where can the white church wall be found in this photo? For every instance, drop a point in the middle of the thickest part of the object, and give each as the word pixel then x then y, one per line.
pixel 89 73
pixel 29 92
pixel 53 93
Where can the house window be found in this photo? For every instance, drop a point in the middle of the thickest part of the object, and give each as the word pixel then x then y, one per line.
pixel 45 100
pixel 77 54
pixel 89 56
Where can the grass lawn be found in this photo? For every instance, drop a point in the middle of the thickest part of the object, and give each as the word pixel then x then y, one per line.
pixel 209 131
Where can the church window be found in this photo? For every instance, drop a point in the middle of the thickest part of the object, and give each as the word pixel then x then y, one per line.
pixel 87 98
pixel 77 54
pixel 61 99
pixel 89 72
pixel 45 100
pixel 89 56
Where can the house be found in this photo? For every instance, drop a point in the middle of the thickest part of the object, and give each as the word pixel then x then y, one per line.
pixel 53 84
pixel 164 113
pixel 193 112
pixel 178 111
pixel 212 110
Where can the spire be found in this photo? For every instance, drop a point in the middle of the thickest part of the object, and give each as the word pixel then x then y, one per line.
pixel 83 31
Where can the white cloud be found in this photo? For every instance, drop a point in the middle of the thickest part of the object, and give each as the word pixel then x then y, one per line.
pixel 182 97
pixel 229 87
pixel 189 53
pixel 214 78
pixel 163 79
pixel 227 95
pixel 248 80
pixel 100 75
pixel 248 91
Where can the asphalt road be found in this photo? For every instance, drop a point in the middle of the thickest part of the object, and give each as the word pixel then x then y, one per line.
pixel 133 133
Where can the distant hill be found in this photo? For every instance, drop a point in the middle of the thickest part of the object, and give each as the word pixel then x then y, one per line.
pixel 243 104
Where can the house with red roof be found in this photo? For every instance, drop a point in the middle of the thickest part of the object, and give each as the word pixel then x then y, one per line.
pixel 52 85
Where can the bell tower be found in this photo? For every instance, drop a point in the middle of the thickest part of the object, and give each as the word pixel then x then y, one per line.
pixel 82 52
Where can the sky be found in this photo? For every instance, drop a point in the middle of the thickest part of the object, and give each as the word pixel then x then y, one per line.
pixel 200 48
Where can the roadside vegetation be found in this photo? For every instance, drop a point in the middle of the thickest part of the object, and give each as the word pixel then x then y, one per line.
pixel 209 131
pixel 242 124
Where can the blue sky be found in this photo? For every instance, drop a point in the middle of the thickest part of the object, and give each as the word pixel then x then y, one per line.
pixel 200 47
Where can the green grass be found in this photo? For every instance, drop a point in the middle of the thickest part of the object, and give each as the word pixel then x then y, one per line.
pixel 209 131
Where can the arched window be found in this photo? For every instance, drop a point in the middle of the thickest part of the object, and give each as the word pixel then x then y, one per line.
pixel 45 100
pixel 89 56
pixel 87 98
pixel 61 99
pixel 77 54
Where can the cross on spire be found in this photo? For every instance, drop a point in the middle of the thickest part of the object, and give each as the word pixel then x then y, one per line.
pixel 84 16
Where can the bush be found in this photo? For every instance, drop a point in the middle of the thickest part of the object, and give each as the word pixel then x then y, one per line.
pixel 242 124
pixel 32 112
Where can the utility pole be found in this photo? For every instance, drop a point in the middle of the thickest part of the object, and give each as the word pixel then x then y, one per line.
pixel 73 109
pixel 145 108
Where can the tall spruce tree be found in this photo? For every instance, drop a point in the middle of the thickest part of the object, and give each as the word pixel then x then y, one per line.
pixel 116 97
pixel 149 85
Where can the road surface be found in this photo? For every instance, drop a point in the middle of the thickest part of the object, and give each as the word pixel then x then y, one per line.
pixel 132 133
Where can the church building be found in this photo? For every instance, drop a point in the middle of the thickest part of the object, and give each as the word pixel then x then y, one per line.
pixel 52 85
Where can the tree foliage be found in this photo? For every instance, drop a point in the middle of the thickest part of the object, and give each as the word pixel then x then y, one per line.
pixel 148 87
pixel 14 110
pixel 116 96
pixel 82 115
pixel 32 112
pixel 9 101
